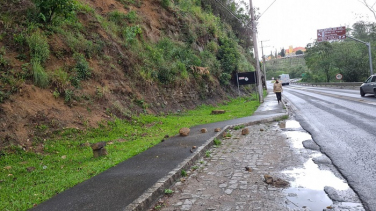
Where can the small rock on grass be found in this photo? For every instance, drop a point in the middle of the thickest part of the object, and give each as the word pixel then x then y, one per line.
pixel 30 169
pixel 218 112
pixel 98 146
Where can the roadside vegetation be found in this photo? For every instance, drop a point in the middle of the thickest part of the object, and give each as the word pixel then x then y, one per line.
pixel 324 60
pixel 224 49
pixel 90 62
pixel 29 178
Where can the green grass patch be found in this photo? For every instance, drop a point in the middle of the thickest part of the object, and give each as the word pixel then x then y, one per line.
pixel 168 191
pixel 28 178
pixel 217 142
pixel 183 173
pixel 238 127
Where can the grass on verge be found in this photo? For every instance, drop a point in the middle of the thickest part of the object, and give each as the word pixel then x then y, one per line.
pixel 27 179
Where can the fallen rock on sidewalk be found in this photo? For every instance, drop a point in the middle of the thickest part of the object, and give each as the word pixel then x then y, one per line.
pixel 184 131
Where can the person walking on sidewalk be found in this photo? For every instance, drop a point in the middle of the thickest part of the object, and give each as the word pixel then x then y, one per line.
pixel 277 89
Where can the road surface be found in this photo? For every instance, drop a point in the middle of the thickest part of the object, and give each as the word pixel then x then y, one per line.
pixel 343 124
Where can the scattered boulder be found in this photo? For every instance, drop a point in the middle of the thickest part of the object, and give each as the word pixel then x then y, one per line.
pixel 98 149
pixel 245 131
pixel 184 131
pixel 217 129
pixel 248 169
pixel 218 112
pixel 204 130
pixel 99 145
pixel 166 136
pixel 261 129
pixel 268 179
pixel 279 183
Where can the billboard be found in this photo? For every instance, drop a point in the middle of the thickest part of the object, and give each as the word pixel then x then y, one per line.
pixel 336 33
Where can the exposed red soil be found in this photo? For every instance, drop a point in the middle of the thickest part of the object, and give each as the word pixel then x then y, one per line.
pixel 32 114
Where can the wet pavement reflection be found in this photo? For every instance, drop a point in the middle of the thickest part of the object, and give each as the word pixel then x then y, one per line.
pixel 307 186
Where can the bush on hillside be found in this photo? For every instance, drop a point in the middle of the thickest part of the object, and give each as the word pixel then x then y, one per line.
pixel 228 55
pixel 40 76
pixel 48 9
pixel 39 48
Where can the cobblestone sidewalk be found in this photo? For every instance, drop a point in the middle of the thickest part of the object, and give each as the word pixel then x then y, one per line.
pixel 221 182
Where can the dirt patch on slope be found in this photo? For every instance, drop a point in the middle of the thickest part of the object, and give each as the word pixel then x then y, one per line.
pixel 32 114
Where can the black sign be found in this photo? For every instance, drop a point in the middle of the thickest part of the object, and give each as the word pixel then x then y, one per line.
pixel 246 78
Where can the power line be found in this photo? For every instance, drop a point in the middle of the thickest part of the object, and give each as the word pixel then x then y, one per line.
pixel 266 9
pixel 228 11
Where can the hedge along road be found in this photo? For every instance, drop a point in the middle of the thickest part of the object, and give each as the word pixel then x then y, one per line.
pixel 342 124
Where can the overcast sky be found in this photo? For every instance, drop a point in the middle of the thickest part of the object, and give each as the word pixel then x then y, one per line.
pixel 295 22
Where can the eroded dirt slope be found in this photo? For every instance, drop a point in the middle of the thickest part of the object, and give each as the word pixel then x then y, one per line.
pixel 32 114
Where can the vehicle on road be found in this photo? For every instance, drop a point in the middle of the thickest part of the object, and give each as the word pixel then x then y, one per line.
pixel 369 86
pixel 285 79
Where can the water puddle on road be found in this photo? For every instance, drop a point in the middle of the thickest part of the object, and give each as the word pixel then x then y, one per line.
pixel 307 186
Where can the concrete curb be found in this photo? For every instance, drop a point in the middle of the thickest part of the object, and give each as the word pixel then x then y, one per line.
pixel 151 195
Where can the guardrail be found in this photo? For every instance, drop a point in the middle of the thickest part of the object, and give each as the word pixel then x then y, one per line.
pixel 331 84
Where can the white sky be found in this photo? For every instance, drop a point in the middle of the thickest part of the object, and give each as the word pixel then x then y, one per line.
pixel 295 22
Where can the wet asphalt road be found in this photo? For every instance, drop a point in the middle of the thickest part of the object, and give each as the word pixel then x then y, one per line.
pixel 343 124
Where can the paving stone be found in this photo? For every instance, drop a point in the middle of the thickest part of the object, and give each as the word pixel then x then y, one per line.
pixel 224 184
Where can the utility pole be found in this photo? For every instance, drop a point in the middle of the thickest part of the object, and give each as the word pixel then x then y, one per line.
pixel 264 64
pixel 254 32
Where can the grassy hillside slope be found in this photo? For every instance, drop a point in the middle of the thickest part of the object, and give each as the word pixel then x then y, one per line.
pixel 93 61
pixel 128 72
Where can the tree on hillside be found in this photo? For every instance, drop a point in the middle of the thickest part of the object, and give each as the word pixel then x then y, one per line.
pixel 283 54
pixel 299 52
pixel 48 9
